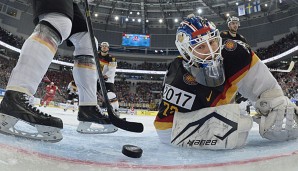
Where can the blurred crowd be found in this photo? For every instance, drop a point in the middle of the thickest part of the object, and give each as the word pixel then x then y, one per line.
pixel 282 45
pixel 11 39
pixel 288 82
pixel 137 90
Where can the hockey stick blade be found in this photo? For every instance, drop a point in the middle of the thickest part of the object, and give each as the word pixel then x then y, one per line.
pixel 291 66
pixel 123 124
pixel 115 120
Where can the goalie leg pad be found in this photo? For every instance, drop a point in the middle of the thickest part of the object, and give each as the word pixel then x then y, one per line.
pixel 219 127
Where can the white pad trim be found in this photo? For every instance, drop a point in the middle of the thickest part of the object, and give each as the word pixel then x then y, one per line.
pixel 82 43
pixel 60 21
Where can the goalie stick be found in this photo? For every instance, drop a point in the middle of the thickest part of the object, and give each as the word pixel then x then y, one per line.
pixel 291 66
pixel 120 123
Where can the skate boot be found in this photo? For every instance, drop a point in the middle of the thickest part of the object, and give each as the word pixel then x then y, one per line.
pixel 15 107
pixel 88 115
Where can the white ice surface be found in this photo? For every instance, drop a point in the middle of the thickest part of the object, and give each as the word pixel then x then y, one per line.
pixel 103 152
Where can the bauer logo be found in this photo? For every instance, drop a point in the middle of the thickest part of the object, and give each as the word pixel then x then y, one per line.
pixel 201 142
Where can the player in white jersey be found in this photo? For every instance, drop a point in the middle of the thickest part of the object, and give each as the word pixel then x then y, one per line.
pixel 72 97
pixel 108 65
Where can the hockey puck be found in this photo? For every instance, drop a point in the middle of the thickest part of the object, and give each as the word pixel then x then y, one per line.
pixel 132 151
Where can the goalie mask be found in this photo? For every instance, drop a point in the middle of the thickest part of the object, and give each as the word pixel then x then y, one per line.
pixel 199 43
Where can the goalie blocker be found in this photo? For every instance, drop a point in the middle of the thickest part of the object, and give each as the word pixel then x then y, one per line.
pixel 221 127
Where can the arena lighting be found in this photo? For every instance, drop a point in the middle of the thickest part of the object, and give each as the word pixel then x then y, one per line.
pixel 199 10
pixel 147 71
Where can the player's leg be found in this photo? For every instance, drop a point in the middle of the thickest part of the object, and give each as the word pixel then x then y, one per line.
pixel 46 101
pixel 112 97
pixel 75 103
pixel 42 101
pixel 68 102
pixel 52 27
pixel 85 76
pixel 67 105
pixel 50 98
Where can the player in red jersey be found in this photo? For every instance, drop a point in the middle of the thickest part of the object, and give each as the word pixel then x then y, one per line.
pixel 50 94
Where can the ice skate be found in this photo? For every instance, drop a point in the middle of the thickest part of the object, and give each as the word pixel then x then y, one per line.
pixel 15 107
pixel 91 115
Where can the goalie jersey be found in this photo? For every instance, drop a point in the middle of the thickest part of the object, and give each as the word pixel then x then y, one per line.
pixel 108 65
pixel 182 93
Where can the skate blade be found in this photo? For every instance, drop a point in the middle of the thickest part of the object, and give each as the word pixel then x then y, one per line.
pixel 42 133
pixel 85 128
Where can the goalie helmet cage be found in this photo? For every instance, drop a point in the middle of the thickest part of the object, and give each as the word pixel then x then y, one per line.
pixel 118 122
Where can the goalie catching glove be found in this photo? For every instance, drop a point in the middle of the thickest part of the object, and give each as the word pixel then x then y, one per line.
pixel 277 116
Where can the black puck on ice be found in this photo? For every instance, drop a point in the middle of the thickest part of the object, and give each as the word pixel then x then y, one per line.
pixel 132 151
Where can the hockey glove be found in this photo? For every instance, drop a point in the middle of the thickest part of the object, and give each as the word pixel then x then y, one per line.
pixel 277 116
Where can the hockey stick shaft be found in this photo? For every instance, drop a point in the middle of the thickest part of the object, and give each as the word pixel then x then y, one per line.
pixel 120 123
pixel 291 66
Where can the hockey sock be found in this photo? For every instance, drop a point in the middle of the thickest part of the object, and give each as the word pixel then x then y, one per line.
pixel 38 51
pixel 35 58
pixel 84 70
pixel 85 76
